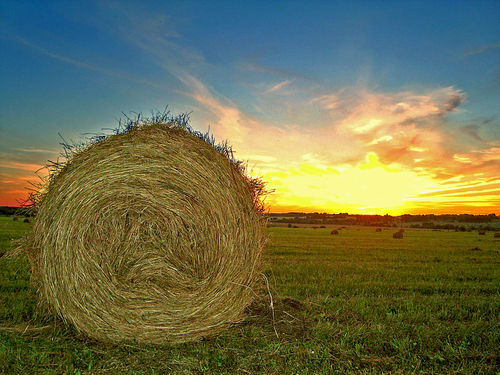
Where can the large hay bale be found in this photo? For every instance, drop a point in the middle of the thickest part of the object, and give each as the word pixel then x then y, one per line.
pixel 398 234
pixel 150 235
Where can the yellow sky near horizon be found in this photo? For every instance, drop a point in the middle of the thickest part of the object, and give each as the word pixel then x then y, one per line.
pixel 370 188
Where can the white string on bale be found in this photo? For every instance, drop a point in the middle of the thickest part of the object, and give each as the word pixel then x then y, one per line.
pixel 150 235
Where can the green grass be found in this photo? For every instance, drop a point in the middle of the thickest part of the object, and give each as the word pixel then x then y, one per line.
pixel 360 302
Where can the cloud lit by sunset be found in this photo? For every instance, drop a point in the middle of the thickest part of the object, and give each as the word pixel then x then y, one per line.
pixel 345 107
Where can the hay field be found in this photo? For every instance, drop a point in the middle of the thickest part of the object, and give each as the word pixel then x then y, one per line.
pixel 359 302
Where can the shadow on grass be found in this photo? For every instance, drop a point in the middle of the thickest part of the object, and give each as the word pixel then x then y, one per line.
pixel 286 317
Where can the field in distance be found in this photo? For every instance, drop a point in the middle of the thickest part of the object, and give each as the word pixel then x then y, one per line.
pixel 360 302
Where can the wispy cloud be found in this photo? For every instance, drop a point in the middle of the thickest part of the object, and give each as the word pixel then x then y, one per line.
pixel 491 188
pixel 254 64
pixel 248 135
pixel 280 85
pixel 482 49
pixel 62 58
pixel 472 130
pixel 84 65
pixel 34 150
pixel 156 42
pixel 22 166
pixel 329 101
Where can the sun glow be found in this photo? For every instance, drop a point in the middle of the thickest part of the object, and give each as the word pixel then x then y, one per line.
pixel 369 188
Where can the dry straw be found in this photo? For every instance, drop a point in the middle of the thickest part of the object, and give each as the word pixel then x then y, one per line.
pixel 153 234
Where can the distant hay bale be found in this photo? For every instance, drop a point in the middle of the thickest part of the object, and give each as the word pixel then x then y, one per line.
pixel 15 218
pixel 401 230
pixel 26 220
pixel 398 234
pixel 378 230
pixel 335 231
pixel 496 235
pixel 482 233
pixel 150 235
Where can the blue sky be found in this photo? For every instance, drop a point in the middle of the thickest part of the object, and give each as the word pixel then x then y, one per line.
pixel 328 101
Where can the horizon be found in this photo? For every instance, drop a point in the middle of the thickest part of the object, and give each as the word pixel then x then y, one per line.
pixel 355 106
pixel 267 212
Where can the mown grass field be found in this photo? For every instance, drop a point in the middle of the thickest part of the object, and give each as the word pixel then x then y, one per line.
pixel 359 302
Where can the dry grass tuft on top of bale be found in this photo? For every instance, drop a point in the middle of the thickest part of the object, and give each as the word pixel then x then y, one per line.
pixel 152 235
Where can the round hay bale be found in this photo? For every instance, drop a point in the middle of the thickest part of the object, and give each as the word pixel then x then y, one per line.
pixel 496 235
pixel 378 230
pixel 398 234
pixel 15 218
pixel 335 231
pixel 26 220
pixel 482 233
pixel 151 235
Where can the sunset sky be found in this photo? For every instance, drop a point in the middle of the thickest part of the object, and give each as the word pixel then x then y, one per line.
pixel 365 107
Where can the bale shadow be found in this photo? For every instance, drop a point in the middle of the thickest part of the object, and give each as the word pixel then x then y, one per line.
pixel 283 317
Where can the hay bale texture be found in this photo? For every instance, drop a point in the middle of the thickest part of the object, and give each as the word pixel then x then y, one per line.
pixel 151 235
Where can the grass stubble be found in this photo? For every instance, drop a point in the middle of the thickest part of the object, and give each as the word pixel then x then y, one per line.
pixel 358 303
